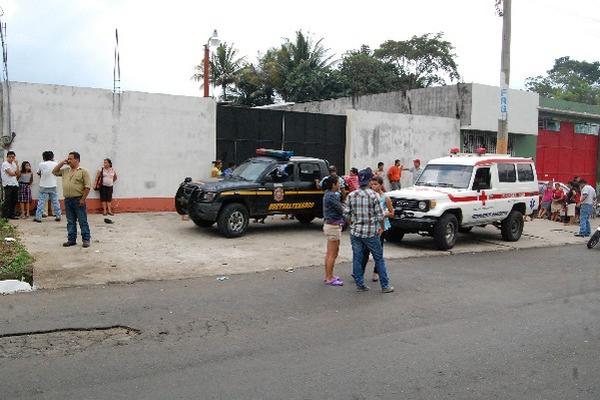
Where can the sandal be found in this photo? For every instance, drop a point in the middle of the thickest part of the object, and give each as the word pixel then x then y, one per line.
pixel 335 282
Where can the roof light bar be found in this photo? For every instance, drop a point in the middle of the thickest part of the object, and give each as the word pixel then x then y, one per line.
pixel 279 154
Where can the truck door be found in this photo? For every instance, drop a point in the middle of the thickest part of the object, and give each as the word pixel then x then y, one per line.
pixel 478 210
pixel 308 173
pixel 279 189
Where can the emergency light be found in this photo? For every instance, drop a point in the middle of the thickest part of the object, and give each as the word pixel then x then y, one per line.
pixel 454 151
pixel 481 151
pixel 279 154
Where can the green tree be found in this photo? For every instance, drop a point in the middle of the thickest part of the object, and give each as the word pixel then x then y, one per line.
pixel 252 88
pixel 421 61
pixel 569 80
pixel 225 68
pixel 366 74
pixel 297 66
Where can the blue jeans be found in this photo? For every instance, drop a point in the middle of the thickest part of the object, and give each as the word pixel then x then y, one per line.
pixel 365 260
pixel 42 199
pixel 584 219
pixel 361 247
pixel 74 213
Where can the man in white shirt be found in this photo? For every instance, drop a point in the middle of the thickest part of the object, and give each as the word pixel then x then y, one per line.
pixel 47 187
pixel 586 208
pixel 416 170
pixel 10 174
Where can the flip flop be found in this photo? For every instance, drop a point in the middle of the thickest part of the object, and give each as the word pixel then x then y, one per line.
pixel 335 282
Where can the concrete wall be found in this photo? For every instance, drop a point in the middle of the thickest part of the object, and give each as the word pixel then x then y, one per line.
pixel 376 136
pixel 154 140
pixel 522 110
pixel 453 101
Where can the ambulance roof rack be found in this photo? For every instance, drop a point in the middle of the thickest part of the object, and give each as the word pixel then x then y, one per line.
pixel 481 151
pixel 278 154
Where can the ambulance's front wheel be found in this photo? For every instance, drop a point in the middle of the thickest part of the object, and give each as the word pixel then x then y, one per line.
pixel 445 232
pixel 233 220
pixel 512 226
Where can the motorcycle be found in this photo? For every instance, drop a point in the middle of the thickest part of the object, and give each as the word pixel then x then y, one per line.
pixel 594 239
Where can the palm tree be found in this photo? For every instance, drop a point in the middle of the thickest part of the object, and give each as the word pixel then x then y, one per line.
pixel 224 68
pixel 300 56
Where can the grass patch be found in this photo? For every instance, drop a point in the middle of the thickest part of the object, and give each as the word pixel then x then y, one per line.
pixel 15 260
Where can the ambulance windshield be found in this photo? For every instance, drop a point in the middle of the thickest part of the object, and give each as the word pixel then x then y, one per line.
pixel 453 176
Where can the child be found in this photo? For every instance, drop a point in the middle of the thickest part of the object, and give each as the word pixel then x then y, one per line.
pixel 25 181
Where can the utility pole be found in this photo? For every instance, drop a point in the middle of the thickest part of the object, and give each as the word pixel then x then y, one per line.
pixel 502 138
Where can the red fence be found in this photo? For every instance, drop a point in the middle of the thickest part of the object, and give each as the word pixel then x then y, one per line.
pixel 566 154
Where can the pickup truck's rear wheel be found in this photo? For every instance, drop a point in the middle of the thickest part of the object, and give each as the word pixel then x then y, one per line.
pixel 233 220
pixel 304 218
pixel 394 235
pixel 202 223
pixel 444 232
pixel 178 207
pixel 512 226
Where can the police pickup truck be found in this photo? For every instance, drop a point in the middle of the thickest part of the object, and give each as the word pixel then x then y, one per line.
pixel 273 182
pixel 456 193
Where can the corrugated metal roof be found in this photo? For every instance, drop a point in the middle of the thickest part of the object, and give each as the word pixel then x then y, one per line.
pixel 569 106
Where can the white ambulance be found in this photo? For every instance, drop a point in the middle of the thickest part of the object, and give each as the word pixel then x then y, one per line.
pixel 456 193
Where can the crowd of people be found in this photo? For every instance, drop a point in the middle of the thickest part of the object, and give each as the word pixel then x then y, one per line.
pixel 360 200
pixel 17 182
pixel 571 203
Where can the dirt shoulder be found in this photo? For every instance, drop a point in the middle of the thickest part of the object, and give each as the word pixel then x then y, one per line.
pixel 160 246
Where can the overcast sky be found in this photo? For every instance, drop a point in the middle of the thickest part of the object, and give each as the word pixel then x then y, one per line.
pixel 71 42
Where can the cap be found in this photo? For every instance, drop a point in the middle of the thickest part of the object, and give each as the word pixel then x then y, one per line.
pixel 364 176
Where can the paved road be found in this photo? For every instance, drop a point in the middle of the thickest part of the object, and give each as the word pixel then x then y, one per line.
pixel 515 325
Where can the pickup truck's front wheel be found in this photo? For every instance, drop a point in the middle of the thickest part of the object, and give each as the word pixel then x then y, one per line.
pixel 444 232
pixel 202 223
pixel 304 218
pixel 512 226
pixel 233 220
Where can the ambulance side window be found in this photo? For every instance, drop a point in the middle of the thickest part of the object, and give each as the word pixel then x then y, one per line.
pixel 482 179
pixel 525 172
pixel 507 173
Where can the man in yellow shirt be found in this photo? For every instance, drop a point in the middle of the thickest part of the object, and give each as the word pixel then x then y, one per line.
pixel 76 187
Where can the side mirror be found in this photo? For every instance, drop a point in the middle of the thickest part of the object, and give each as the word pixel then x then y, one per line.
pixel 267 178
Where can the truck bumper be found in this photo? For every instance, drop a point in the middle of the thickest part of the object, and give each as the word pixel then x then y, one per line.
pixel 205 211
pixel 412 224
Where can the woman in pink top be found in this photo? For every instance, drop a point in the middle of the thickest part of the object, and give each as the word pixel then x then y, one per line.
pixel 546 200
pixel 105 179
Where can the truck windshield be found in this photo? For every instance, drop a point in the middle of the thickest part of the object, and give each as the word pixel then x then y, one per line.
pixel 250 170
pixel 455 176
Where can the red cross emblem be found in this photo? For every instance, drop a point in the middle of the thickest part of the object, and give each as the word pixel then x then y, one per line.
pixel 483 197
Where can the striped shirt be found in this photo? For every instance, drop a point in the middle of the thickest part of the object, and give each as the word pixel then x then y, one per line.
pixel 365 212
